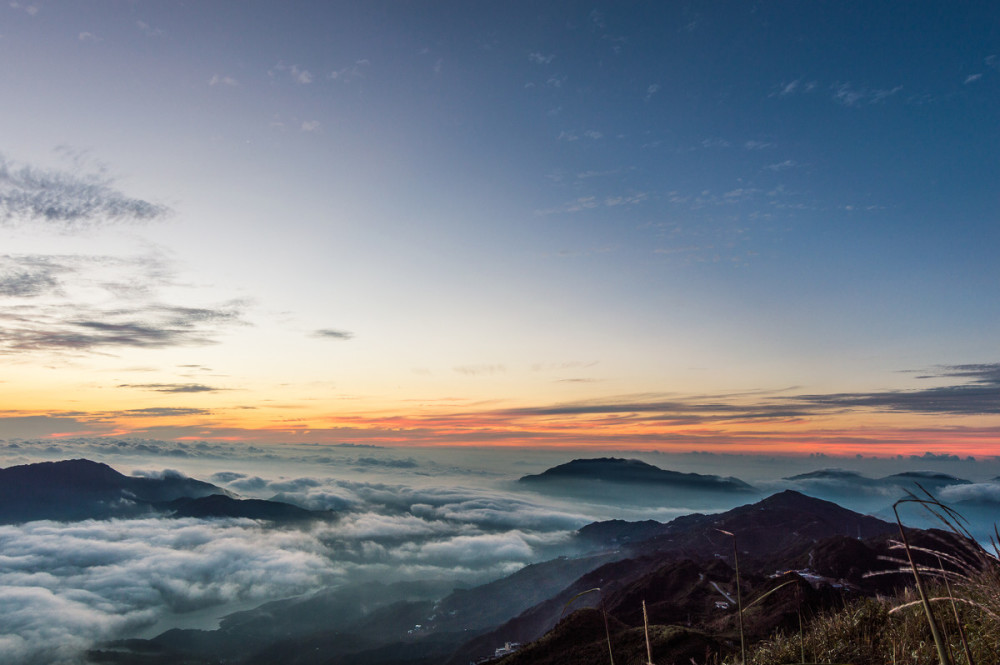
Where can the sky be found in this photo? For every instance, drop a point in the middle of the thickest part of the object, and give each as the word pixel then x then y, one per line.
pixel 728 227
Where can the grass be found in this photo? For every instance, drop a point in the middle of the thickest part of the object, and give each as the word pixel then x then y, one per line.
pixel 875 631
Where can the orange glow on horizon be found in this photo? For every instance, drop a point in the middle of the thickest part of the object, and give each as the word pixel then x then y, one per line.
pixel 724 427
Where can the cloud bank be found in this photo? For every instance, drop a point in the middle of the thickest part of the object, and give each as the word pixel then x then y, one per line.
pixel 66 587
pixel 63 587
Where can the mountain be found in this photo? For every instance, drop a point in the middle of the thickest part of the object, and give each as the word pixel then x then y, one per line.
pixel 614 533
pixel 831 474
pixel 929 480
pixel 632 472
pixel 219 505
pixel 843 481
pixel 489 604
pixel 674 565
pixel 683 569
pixel 81 489
pixel 763 529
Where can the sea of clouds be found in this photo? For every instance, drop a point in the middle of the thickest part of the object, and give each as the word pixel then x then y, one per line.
pixel 66 587
pixel 453 518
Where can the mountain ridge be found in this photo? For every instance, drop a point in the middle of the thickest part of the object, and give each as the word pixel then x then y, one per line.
pixel 80 489
pixel 632 471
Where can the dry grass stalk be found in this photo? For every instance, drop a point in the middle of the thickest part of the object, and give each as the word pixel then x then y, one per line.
pixel 944 657
pixel 645 625
pixel 604 613
pixel 739 599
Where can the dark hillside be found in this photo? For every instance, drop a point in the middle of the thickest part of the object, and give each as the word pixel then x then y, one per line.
pixel 81 489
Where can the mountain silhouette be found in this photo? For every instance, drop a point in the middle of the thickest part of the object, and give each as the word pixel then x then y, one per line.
pixel 79 489
pixel 219 505
pixel 632 472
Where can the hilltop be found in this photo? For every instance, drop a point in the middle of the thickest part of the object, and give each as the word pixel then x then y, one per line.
pixel 80 489
pixel 632 472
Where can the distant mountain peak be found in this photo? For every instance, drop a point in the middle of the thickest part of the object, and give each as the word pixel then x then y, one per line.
pixel 927 475
pixel 220 505
pixel 83 489
pixel 829 473
pixel 627 471
pixel 796 500
pixel 80 468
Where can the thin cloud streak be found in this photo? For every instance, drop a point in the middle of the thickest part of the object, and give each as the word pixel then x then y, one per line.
pixel 172 387
pixel 83 329
pixel 88 304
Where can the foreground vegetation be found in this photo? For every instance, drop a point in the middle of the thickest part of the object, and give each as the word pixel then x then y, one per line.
pixel 870 631
pixel 950 616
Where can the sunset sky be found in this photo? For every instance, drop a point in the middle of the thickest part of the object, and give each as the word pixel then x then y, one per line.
pixel 729 226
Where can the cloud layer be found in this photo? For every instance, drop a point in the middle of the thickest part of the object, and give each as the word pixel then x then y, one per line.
pixel 63 587
pixel 66 587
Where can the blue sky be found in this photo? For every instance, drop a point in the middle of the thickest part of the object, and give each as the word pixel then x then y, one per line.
pixel 388 217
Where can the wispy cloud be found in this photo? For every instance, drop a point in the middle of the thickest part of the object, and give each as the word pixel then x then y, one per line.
pixel 172 387
pixel 972 78
pixel 794 87
pixel 30 10
pixel 351 72
pixel 781 166
pixel 298 74
pixel 628 200
pixel 847 94
pixel 480 370
pixel 593 202
pixel 30 276
pixel 158 411
pixel 651 90
pixel 149 30
pixel 85 329
pixel 788 88
pixel 980 373
pixel 227 81
pixel 87 303
pixel 979 394
pixel 541 58
pixel 67 199
pixel 330 333
pixel 715 143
